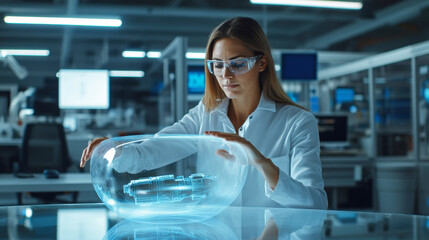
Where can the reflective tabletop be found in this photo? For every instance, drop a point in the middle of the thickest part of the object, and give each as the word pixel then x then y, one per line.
pixel 95 221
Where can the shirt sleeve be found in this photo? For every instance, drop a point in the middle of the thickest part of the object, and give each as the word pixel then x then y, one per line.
pixel 189 124
pixel 303 187
pixel 155 153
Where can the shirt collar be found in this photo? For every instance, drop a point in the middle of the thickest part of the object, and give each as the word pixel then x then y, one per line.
pixel 264 104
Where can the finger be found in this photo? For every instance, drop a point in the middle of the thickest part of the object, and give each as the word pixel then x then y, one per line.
pixel 235 139
pixel 83 157
pixel 225 154
pixel 94 144
pixel 220 134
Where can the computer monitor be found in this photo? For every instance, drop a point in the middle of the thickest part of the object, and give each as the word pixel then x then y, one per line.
pixel 344 95
pixel 333 130
pixel 196 79
pixel 83 89
pixel 299 66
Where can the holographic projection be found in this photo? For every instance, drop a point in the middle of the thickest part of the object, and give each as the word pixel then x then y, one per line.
pixel 167 177
pixel 168 189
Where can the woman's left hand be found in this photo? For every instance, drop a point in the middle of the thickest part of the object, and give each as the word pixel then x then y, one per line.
pixel 255 157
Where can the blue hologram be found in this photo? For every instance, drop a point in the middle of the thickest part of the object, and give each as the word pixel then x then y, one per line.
pixel 166 188
pixel 119 174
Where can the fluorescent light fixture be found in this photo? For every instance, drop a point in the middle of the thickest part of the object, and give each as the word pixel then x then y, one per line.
pixel 125 73
pixel 195 55
pixel 312 3
pixel 98 22
pixel 133 54
pixel 153 54
pixel 156 54
pixel 24 52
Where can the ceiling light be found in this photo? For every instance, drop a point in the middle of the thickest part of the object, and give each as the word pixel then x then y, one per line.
pixel 99 22
pixel 153 54
pixel 133 54
pixel 24 52
pixel 195 55
pixel 125 73
pixel 312 3
pixel 156 54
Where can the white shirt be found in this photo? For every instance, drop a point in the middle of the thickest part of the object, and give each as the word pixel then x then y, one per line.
pixel 287 135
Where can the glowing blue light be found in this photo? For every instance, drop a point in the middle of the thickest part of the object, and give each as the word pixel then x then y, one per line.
pixel 167 189
pixel 353 109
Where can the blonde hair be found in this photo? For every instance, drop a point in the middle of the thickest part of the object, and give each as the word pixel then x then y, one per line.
pixel 249 32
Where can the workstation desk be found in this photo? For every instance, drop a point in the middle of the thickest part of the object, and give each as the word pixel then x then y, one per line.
pixel 95 221
pixel 66 182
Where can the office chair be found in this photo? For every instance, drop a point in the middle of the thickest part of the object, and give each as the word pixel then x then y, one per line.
pixel 44 146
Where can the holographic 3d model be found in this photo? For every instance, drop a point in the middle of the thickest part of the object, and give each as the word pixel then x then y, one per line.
pixel 166 188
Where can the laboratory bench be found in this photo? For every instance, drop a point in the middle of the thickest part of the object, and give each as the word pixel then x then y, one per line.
pixel 39 183
pixel 95 221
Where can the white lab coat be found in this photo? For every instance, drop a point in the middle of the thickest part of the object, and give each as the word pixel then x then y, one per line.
pixel 287 135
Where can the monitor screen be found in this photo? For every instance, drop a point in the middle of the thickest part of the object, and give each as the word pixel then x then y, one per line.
pixel 83 89
pixel 332 130
pixel 299 66
pixel 344 95
pixel 196 79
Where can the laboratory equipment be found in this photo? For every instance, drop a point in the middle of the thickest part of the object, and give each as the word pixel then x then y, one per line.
pixel 167 178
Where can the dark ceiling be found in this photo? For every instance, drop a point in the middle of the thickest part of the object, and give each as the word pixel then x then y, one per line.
pixel 151 25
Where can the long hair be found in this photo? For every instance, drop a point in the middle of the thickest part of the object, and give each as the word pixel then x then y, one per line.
pixel 249 32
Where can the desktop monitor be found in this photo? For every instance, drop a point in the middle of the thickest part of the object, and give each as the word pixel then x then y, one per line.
pixel 196 79
pixel 83 89
pixel 344 95
pixel 333 130
pixel 299 66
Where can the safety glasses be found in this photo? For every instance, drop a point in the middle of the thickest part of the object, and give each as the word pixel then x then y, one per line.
pixel 235 66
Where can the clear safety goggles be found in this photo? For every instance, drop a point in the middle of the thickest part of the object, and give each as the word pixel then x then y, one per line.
pixel 235 66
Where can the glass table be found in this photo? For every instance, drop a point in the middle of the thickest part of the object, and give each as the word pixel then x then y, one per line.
pixel 95 221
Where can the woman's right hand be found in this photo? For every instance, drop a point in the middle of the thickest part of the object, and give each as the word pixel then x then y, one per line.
pixel 86 154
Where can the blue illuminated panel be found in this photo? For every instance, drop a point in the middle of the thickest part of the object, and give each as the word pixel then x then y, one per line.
pixel 196 79
pixel 344 95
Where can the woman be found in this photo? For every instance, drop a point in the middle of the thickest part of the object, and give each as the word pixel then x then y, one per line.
pixel 244 102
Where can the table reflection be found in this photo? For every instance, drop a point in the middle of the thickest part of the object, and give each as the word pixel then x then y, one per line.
pixel 277 224
pixel 95 221
pixel 209 229
pixel 293 224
